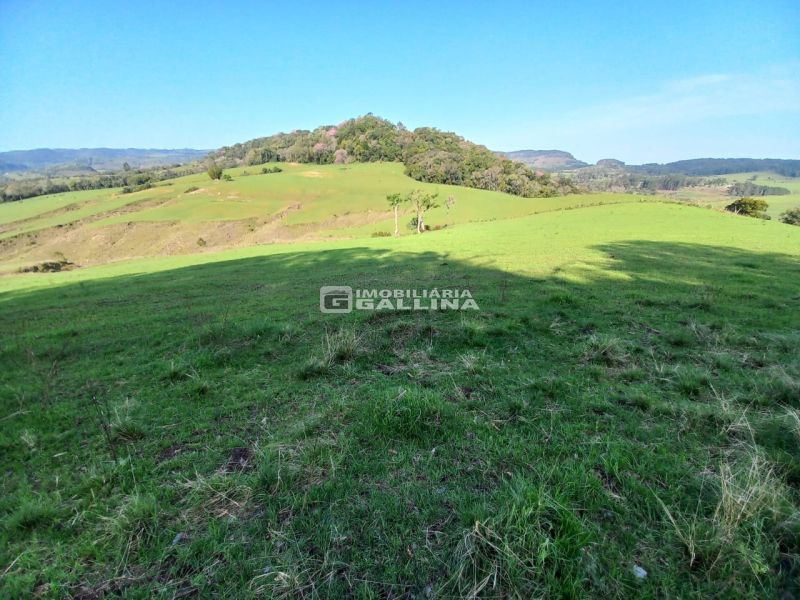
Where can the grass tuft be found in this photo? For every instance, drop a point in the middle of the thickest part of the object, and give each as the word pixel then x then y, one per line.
pixel 135 521
pixel 606 350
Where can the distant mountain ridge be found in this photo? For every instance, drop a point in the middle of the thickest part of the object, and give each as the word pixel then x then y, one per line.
pixel 559 160
pixel 95 159
pixel 547 160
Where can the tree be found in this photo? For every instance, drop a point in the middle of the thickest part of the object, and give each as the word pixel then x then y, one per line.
pixel 750 207
pixel 340 156
pixel 126 166
pixel 791 216
pixel 395 200
pixel 421 202
pixel 214 170
pixel 253 157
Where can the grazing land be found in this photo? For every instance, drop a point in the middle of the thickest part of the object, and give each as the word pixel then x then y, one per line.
pixel 718 197
pixel 620 418
pixel 304 202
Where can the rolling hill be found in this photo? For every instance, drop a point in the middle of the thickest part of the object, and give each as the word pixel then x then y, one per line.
pixel 191 214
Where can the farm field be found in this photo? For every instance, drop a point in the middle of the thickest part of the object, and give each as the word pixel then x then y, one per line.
pixel 626 400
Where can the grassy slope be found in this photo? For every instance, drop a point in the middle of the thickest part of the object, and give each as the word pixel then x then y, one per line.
pixel 321 190
pixel 777 204
pixel 35 214
pixel 32 207
pixel 628 394
pixel 304 202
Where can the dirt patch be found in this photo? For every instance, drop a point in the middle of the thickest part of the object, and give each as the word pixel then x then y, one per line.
pixel 241 459
pixel 171 452
pixel 391 369
pixel 313 174
pixel 49 267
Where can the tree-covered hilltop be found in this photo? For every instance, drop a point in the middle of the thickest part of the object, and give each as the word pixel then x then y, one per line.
pixel 428 154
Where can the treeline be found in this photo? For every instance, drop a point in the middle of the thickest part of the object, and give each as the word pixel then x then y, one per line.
pixel 703 167
pixel 428 154
pixel 601 179
pixel 129 181
pixel 748 188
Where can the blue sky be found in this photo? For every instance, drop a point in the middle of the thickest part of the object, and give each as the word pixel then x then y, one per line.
pixel 642 82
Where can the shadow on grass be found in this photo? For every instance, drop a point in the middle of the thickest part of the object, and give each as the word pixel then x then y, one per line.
pixel 554 421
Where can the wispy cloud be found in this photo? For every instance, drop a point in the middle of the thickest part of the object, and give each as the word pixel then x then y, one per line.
pixel 688 100
pixel 723 114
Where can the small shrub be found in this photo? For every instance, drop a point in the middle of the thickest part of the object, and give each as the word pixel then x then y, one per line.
pixel 201 242
pixel 268 170
pixel 379 234
pixel 191 189
pixel 129 189
pixel 226 177
pixel 749 207
pixel 791 216
pixel 412 224
pixel 214 170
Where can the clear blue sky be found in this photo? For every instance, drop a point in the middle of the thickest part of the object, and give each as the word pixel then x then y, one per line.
pixel 638 81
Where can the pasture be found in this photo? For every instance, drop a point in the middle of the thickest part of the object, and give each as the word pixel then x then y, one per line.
pixel 620 418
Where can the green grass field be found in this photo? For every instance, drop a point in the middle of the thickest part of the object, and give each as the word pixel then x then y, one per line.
pixel 717 198
pixel 302 203
pixel 628 397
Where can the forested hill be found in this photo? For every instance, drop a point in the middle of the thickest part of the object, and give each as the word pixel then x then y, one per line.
pixel 703 167
pixel 428 154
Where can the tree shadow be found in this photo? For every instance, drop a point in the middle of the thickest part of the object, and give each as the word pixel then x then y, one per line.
pixel 570 380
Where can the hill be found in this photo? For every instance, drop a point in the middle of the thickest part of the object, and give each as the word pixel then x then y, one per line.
pixel 547 160
pixel 429 155
pixel 93 159
pixel 194 213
